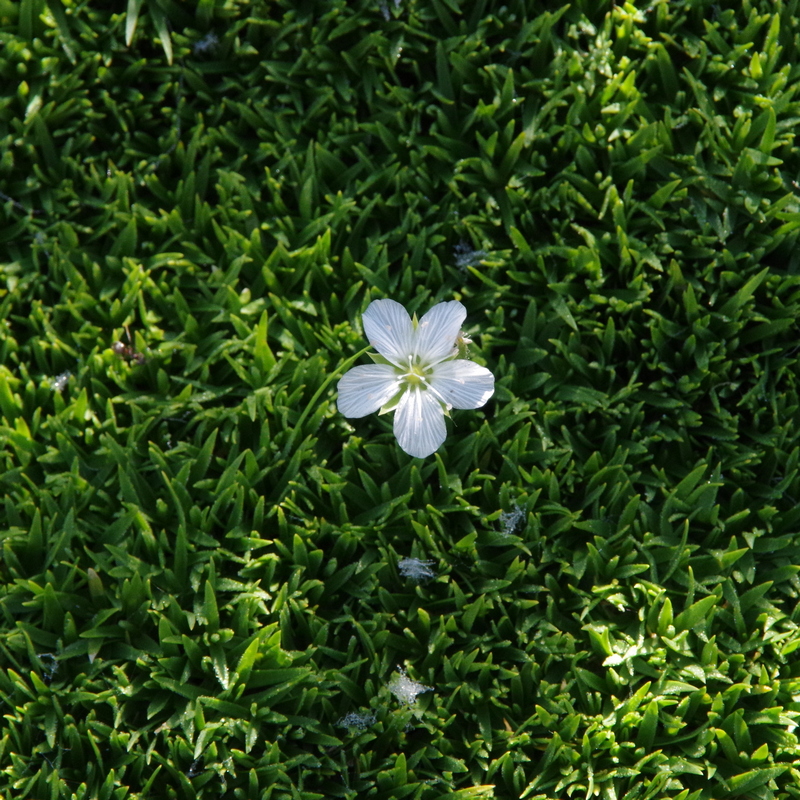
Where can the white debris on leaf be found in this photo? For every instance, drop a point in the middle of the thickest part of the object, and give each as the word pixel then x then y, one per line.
pixel 406 690
pixel 416 569
pixel 206 45
pixel 466 256
pixel 356 720
pixel 512 520
pixel 60 381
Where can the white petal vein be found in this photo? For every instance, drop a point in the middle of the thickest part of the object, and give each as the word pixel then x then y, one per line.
pixel 462 384
pixel 419 423
pixel 389 330
pixel 437 331
pixel 364 389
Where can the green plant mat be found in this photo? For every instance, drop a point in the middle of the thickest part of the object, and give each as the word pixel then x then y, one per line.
pixel 205 587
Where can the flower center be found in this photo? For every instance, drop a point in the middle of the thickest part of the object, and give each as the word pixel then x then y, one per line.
pixel 415 375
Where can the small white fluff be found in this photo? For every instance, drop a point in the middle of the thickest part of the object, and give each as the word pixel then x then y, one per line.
pixel 406 690
pixel 356 720
pixel 466 256
pixel 416 569
pixel 206 45
pixel 60 381
pixel 511 520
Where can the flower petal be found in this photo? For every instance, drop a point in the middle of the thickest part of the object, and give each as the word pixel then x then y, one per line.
pixel 419 423
pixel 389 330
pixel 437 331
pixel 462 384
pixel 365 389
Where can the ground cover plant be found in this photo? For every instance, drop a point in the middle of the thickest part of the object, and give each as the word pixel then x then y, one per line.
pixel 215 585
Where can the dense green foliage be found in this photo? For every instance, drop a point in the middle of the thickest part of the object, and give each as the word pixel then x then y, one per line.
pixel 200 574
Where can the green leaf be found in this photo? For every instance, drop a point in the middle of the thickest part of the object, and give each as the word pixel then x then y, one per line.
pixel 747 781
pixel 210 609
pixel 665 617
pixel 560 307
pixel 752 596
pixel 645 736
pixel 56 8
pixel 247 660
pixel 684 489
pixel 132 19
pixel 29 11
pixel 695 613
pixel 744 294
pixel 162 28
pixel 768 137
pixel 443 80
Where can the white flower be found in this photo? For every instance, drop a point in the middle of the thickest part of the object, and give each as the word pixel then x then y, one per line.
pixel 417 374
